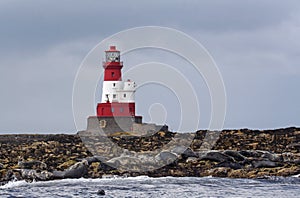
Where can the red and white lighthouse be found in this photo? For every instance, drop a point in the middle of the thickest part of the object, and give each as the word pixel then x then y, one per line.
pixel 116 111
pixel 117 95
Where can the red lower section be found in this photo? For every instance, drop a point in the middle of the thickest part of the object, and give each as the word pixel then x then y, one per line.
pixel 115 109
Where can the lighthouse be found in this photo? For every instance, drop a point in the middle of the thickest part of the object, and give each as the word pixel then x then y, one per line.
pixel 116 110
pixel 117 95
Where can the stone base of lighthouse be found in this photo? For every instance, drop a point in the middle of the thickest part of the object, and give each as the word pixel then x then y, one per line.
pixel 116 125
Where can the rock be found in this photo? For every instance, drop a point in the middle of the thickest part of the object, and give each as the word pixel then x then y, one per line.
pixel 33 164
pixel 219 172
pixel 263 164
pixel 291 157
pixel 293 145
pixel 239 173
pixel 101 192
pixel 78 170
pixel 1 166
pixel 66 164
pixel 289 171
pixel 161 133
pixel 279 148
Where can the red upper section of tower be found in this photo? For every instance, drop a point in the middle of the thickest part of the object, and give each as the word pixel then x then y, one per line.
pixel 112 65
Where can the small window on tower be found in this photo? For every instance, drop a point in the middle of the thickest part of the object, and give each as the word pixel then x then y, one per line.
pixel 121 109
pixel 114 96
pixel 112 74
pixel 114 84
pixel 112 109
pixel 124 95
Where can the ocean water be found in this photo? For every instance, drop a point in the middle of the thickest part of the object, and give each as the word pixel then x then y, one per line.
pixel 156 187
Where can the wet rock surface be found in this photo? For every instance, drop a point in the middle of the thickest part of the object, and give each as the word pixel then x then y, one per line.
pixel 231 153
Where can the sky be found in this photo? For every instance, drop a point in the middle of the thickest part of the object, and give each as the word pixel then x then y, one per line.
pixel 255 45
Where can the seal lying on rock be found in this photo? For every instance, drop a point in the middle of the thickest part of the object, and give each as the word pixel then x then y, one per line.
pixel 264 164
pixel 29 174
pixel 232 165
pixel 236 155
pixel 166 157
pixel 95 158
pixel 78 170
pixel 185 152
pixel 217 156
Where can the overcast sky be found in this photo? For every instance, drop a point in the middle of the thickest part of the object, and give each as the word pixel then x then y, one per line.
pixel 256 45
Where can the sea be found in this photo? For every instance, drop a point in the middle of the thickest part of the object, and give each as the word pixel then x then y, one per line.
pixel 144 186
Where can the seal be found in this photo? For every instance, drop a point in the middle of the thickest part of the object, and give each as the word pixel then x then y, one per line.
pixel 263 164
pixel 166 157
pixel 232 165
pixel 78 170
pixel 235 154
pixel 101 192
pixel 215 156
pixel 29 174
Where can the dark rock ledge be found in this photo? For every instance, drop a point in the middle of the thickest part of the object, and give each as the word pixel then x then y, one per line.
pixel 236 154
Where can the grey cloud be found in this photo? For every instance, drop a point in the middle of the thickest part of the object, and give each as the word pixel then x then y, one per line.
pixel 255 43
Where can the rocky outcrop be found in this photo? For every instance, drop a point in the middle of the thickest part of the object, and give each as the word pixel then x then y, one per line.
pixel 236 153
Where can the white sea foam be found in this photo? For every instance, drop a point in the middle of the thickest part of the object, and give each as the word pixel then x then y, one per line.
pixel 297 176
pixel 13 184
